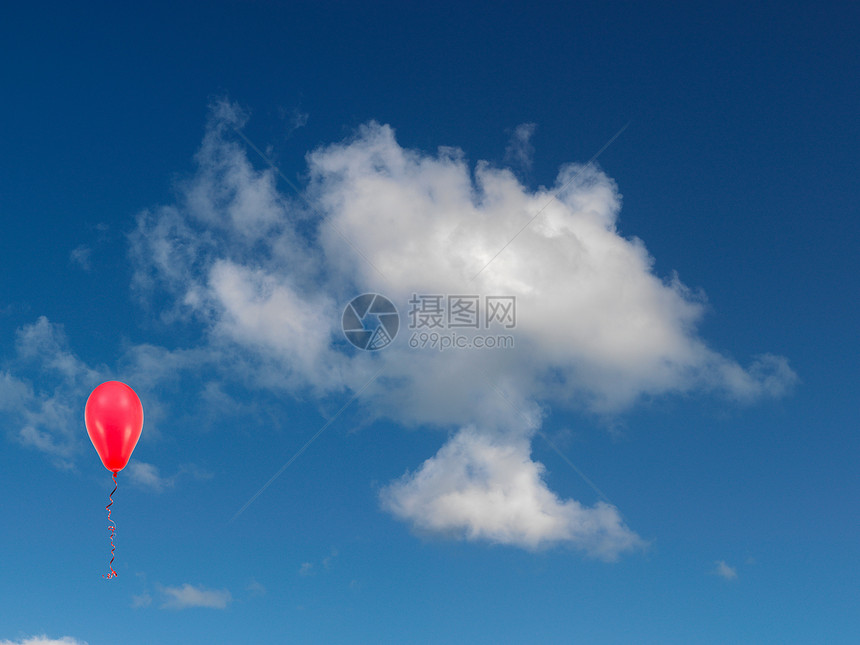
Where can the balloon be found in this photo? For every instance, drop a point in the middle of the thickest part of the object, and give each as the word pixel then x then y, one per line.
pixel 114 419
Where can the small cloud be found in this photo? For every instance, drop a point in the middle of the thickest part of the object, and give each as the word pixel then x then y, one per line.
pixel 255 588
pixel 298 119
pixel 147 476
pixel 725 571
pixel 310 568
pixel 196 472
pixel 481 488
pixel 520 150
pixel 44 640
pixel 329 559
pixel 143 600
pixel 188 596
pixel 80 255
pixel 295 118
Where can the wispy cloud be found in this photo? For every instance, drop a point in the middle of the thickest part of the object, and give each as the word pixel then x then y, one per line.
pixel 520 151
pixel 328 561
pixel 80 255
pixel 297 119
pixel 148 476
pixel 42 386
pixel 141 600
pixel 725 571
pixel 188 596
pixel 310 568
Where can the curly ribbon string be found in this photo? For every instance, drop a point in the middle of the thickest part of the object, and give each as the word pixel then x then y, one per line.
pixel 112 530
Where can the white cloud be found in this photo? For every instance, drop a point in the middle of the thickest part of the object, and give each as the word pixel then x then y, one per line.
pixel 46 343
pixel 268 282
pixel 141 600
pixel 591 310
pixel 328 561
pixel 481 488
pixel 725 571
pixel 595 325
pixel 309 568
pixel 298 119
pixel 188 596
pixel 520 151
pixel 45 409
pixel 44 640
pixel 147 476
pixel 81 255
pixel 261 311
pixel 44 387
pixel 14 393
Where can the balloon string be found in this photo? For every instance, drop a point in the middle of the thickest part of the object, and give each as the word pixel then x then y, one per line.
pixel 112 529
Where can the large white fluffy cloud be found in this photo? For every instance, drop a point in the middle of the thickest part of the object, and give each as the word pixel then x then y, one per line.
pixel 270 273
pixel 266 274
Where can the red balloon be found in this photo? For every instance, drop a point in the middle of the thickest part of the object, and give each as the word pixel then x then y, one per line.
pixel 114 418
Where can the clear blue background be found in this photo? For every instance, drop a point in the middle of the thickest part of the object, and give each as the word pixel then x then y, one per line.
pixel 739 170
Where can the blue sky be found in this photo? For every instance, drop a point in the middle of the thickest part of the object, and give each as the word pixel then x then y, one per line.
pixel 669 452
